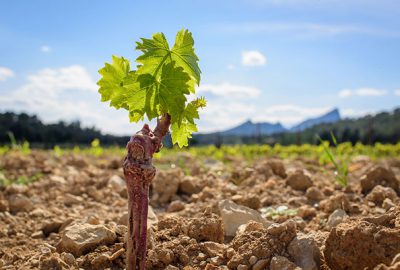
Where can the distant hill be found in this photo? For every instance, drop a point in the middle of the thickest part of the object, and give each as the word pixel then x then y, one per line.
pixel 330 117
pixel 249 128
pixel 383 127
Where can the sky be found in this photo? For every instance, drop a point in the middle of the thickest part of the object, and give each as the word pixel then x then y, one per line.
pixel 264 60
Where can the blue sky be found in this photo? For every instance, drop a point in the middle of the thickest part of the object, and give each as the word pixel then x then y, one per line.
pixel 264 60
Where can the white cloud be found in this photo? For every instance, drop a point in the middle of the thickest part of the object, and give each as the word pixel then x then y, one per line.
pixel 67 93
pixel 370 92
pixel 397 92
pixel 362 92
pixel 5 73
pixel 345 93
pixel 218 116
pixel 231 67
pixel 230 90
pixel 45 49
pixel 253 58
pixel 53 81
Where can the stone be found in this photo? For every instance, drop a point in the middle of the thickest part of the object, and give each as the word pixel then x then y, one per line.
pixel 3 206
pixel 282 263
pixel 68 258
pixel 298 180
pixel 190 185
pixel 165 185
pixel 176 206
pixel 70 199
pixel 336 218
pixel 234 215
pixel 314 194
pixel 305 252
pixel 387 204
pixel 117 183
pixel 337 201
pixel 277 166
pixel 378 175
pixel 79 239
pixel 51 226
pixel 253 259
pixel 19 203
pixel 260 265
pixel 37 235
pixel 379 193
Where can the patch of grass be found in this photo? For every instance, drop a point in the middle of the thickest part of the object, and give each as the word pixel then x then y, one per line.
pixel 341 165
pixel 271 213
pixel 21 180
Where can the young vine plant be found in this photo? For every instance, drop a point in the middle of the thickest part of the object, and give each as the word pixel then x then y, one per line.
pixel 160 85
pixel 158 88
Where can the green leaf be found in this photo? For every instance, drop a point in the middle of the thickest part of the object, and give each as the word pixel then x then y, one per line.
pixel 156 53
pixel 154 97
pixel 111 83
pixel 182 132
pixel 159 86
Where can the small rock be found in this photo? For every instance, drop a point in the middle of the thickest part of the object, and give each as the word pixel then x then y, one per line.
pixel 387 204
pixel 190 185
pixel 100 261
pixel 37 235
pixel 337 201
pixel 379 193
pixel 299 181
pixel 3 206
pixel 282 263
pixel 260 265
pixel 70 199
pixel 51 226
pixel 277 166
pixel 378 175
pixel 81 238
pixel 213 249
pixel 171 267
pixel 305 252
pixel 117 183
pixel 164 193
pixel 234 215
pixel 314 194
pixel 253 259
pixel 336 218
pixel 242 267
pixel 68 258
pixel 176 206
pixel 306 212
pixel 19 203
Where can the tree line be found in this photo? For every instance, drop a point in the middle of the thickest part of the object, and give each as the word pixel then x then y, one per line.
pixel 383 127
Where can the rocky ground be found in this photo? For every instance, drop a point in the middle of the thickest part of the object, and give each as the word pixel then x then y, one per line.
pixel 265 214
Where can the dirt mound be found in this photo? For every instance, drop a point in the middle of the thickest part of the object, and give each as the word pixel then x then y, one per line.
pixel 364 243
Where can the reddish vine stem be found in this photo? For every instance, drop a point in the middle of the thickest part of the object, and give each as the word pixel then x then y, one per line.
pixel 139 172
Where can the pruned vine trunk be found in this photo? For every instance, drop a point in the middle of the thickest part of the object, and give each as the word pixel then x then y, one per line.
pixel 139 172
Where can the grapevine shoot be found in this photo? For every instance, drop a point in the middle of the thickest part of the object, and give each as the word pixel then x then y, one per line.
pixel 157 89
